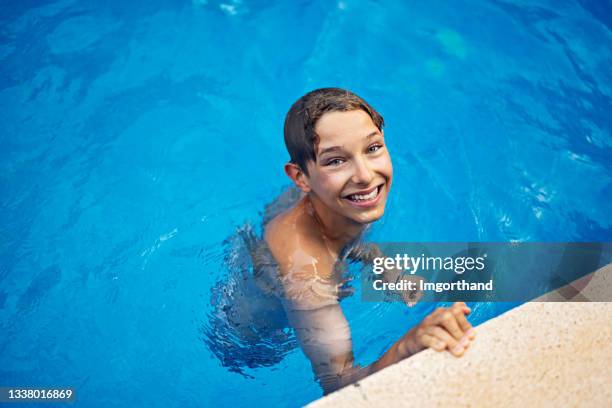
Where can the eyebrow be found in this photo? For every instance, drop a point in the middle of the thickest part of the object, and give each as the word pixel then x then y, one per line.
pixel 336 148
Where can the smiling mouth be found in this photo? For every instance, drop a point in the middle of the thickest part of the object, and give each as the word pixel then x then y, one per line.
pixel 365 198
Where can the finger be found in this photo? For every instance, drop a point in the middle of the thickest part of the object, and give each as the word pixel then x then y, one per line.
pixel 453 345
pixel 462 320
pixel 433 342
pixel 462 306
pixel 461 309
pixel 448 320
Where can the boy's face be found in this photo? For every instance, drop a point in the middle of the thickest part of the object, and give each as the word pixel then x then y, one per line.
pixel 353 172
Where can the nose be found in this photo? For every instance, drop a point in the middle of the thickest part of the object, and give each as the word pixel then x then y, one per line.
pixel 362 173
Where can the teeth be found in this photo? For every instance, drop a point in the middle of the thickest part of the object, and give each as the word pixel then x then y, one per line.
pixel 365 197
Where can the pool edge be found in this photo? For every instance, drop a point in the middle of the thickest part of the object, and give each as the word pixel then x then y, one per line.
pixel 537 354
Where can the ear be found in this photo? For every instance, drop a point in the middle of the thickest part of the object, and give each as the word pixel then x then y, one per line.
pixel 298 177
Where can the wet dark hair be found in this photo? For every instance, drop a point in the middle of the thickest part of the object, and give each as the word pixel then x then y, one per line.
pixel 300 137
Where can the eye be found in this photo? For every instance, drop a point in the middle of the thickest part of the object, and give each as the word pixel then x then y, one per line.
pixel 374 148
pixel 334 162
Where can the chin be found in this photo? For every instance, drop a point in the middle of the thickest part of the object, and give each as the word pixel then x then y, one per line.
pixel 367 218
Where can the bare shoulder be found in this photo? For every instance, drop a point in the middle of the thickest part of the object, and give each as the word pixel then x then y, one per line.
pixel 296 245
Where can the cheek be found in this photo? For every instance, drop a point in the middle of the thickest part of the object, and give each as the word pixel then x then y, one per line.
pixel 388 166
pixel 330 184
pixel 384 166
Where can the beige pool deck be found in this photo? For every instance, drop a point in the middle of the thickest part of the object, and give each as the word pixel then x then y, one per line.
pixel 540 354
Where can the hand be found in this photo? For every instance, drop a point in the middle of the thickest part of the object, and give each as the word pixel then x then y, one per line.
pixel 444 329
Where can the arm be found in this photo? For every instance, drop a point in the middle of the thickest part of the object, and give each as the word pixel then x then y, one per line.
pixel 311 304
pixel 325 337
pixel 313 310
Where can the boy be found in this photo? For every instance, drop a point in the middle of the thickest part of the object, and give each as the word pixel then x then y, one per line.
pixel 340 163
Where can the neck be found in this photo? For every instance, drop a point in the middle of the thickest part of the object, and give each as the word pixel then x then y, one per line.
pixel 335 227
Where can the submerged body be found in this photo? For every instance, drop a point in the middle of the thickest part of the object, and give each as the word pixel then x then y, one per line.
pixel 310 267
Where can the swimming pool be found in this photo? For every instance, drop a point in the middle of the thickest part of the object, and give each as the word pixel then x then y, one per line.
pixel 136 138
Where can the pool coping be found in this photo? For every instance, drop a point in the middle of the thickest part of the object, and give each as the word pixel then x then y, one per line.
pixel 553 351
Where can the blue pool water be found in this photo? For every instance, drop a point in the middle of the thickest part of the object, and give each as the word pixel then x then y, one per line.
pixel 137 136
